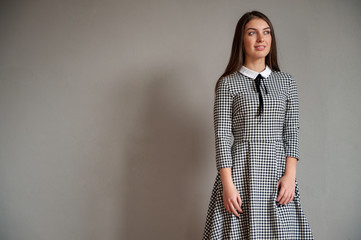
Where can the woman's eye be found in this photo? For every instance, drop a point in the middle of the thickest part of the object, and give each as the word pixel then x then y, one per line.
pixel 250 33
pixel 267 32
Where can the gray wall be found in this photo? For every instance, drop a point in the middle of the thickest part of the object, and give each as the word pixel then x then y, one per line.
pixel 106 126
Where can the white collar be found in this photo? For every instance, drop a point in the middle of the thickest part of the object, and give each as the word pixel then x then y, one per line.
pixel 253 74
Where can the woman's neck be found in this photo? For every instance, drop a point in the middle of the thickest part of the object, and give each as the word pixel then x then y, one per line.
pixel 258 65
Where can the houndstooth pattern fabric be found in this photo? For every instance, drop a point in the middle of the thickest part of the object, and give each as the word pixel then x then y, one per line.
pixel 255 147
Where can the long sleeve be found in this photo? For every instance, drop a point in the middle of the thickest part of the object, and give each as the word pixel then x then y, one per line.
pixel 223 125
pixel 291 124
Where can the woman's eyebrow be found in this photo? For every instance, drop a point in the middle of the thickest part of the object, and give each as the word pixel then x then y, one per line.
pixel 256 29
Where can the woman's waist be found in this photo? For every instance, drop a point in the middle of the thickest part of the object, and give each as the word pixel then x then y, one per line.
pixel 275 138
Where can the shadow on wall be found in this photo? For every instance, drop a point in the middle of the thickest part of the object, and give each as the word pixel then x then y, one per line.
pixel 164 155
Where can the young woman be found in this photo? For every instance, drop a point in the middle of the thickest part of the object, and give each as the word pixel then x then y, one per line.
pixel 256 194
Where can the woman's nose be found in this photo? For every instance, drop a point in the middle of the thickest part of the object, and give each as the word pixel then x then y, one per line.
pixel 260 39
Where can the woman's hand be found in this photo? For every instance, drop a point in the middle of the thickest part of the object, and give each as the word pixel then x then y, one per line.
pixel 232 200
pixel 287 192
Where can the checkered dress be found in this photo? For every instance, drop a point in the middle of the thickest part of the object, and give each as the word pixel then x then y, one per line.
pixel 255 147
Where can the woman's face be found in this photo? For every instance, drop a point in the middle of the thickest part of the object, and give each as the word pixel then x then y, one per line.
pixel 257 39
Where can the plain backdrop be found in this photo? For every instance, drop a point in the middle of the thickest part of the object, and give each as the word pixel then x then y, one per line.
pixel 106 114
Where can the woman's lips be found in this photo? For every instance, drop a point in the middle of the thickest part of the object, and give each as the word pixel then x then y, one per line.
pixel 260 48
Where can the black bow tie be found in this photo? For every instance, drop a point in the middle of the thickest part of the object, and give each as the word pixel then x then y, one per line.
pixel 258 84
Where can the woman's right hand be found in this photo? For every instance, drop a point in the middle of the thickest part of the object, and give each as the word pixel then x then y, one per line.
pixel 232 200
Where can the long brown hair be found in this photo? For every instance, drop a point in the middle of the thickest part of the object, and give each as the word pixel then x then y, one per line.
pixel 237 58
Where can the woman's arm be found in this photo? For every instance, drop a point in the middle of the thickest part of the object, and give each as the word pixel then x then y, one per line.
pixel 287 182
pixel 231 199
pixel 291 124
pixel 290 139
pixel 223 137
pixel 291 164
pixel 222 114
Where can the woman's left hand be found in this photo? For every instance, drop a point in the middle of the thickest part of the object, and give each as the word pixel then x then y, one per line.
pixel 287 192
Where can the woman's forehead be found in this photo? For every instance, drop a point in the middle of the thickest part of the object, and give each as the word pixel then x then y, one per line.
pixel 257 23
